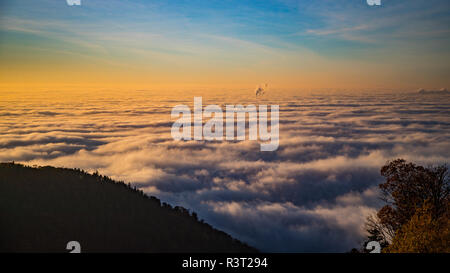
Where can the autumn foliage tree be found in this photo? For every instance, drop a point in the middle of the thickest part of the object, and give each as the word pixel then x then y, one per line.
pixel 416 215
pixel 423 233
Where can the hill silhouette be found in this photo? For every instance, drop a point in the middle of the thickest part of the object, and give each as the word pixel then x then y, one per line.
pixel 43 208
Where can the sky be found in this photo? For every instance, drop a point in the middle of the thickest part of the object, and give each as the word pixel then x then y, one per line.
pixel 224 44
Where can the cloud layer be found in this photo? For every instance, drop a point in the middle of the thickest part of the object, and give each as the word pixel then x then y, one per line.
pixel 312 194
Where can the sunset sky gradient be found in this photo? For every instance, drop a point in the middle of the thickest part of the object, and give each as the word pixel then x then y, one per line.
pixel 188 44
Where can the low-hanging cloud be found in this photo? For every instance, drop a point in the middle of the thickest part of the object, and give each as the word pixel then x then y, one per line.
pixel 312 194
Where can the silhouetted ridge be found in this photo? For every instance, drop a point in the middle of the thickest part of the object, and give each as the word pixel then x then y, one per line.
pixel 43 208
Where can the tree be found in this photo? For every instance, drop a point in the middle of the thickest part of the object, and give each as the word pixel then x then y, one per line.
pixel 422 234
pixel 412 194
pixel 407 187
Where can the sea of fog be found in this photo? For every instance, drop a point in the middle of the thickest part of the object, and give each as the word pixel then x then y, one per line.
pixel 312 194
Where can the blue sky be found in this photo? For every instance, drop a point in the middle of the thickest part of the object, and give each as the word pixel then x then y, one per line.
pixel 294 37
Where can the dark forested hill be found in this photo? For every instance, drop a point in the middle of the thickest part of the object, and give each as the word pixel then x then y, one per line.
pixel 43 208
